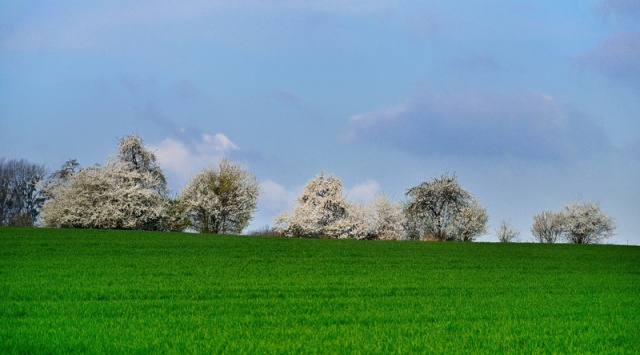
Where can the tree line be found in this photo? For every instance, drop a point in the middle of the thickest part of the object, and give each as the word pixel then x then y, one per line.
pixel 130 192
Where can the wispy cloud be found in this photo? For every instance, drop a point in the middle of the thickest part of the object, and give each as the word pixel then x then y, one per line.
pixel 617 57
pixel 528 125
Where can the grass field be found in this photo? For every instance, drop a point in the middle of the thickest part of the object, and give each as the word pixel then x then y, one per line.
pixel 64 291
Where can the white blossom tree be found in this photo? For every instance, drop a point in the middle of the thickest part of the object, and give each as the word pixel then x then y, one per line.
pixel 322 211
pixel 221 199
pixel 507 233
pixel 440 209
pixel 585 223
pixel 129 192
pixel 109 197
pixel 548 226
pixel 388 219
pixel 320 206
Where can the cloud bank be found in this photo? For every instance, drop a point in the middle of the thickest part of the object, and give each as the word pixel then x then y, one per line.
pixel 527 125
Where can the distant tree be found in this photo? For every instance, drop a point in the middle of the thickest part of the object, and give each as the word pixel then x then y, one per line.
pixel 440 209
pixel 109 197
pixel 320 206
pixel 131 151
pixel 388 219
pixel 548 226
pixel 585 223
pixel 507 233
pixel 19 194
pixel 129 192
pixel 221 199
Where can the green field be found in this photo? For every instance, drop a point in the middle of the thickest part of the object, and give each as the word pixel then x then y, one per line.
pixel 65 291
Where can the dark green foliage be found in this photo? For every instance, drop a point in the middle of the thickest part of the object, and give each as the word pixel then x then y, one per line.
pixel 64 291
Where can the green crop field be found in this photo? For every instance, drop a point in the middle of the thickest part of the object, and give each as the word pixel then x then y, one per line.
pixel 64 291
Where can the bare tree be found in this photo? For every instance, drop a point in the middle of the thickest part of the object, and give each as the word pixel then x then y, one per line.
pixel 440 209
pixel 221 199
pixel 19 194
pixel 548 226
pixel 507 233
pixel 585 223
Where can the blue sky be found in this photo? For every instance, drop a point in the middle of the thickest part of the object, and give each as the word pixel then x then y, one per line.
pixel 532 104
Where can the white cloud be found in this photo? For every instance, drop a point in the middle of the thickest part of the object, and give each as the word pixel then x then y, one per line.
pixel 275 198
pixel 364 192
pixel 182 159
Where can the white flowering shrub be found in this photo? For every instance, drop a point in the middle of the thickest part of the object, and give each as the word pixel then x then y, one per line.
pixel 585 223
pixel 548 226
pixel 129 192
pixel 388 219
pixel 221 199
pixel 109 197
pixel 321 211
pixel 440 209
pixel 318 208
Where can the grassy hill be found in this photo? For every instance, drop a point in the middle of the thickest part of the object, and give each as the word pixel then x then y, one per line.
pixel 92 291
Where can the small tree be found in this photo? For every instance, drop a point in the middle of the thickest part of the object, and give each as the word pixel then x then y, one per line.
pixel 221 199
pixel 507 233
pixel 388 219
pixel 548 226
pixel 585 223
pixel 440 209
pixel 318 208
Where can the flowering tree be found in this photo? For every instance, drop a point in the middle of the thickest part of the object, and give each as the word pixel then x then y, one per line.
pixel 322 211
pixel 320 206
pixel 585 223
pixel 129 192
pixel 137 157
pixel 388 219
pixel 548 226
pixel 221 199
pixel 440 209
pixel 507 233
pixel 109 197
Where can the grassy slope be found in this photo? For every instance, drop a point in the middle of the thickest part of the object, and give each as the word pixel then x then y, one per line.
pixel 108 291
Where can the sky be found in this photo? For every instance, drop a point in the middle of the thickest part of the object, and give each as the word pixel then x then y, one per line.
pixel 532 104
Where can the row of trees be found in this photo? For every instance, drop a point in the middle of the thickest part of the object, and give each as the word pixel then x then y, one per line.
pixel 130 192
pixel 438 209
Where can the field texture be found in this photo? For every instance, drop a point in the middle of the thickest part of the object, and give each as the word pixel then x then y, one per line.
pixel 65 291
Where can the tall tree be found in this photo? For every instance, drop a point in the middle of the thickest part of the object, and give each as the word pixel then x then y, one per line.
pixel 221 199
pixel 440 209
